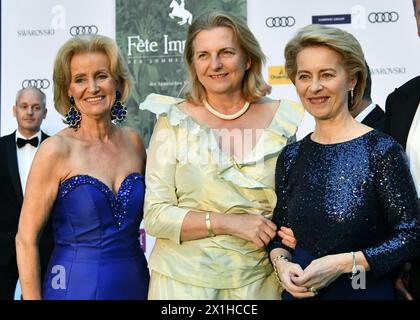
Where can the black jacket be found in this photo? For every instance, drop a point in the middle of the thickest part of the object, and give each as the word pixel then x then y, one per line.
pixel 400 108
pixel 11 198
pixel 375 119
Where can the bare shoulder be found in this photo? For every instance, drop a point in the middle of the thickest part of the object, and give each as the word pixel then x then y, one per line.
pixel 134 139
pixel 51 162
pixel 268 102
pixel 184 104
pixel 188 107
pixel 267 107
pixel 55 147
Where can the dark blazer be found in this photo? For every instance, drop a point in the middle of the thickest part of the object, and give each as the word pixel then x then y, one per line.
pixel 400 109
pixel 11 198
pixel 375 119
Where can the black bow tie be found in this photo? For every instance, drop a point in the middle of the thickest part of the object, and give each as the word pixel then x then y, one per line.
pixel 21 142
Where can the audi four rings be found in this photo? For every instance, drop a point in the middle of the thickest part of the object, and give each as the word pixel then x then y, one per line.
pixel 380 17
pixel 78 30
pixel 277 22
pixel 39 83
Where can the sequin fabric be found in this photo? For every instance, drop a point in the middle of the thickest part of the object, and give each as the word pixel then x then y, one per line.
pixel 350 196
pixel 117 202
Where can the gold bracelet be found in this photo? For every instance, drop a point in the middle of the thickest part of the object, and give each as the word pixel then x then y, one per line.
pixel 279 257
pixel 208 225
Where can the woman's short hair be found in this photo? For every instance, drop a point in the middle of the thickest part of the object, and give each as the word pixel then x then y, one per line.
pixel 336 39
pixel 253 85
pixel 84 44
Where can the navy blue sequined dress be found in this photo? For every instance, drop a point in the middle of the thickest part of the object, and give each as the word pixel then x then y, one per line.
pixel 350 196
pixel 97 252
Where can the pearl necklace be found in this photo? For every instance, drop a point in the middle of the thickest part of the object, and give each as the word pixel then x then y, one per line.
pixel 226 116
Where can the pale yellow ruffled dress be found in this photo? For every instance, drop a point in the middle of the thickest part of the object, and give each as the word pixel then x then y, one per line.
pixel 186 171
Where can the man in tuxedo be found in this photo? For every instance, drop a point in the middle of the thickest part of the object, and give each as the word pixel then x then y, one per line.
pixel 402 121
pixel 368 112
pixel 17 151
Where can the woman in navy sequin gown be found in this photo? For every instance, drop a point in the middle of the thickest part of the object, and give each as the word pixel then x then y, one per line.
pixel 345 190
pixel 90 178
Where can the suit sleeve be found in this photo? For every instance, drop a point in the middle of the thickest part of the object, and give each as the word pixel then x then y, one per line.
pixel 389 106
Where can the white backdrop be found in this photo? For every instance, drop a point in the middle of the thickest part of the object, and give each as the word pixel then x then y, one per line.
pixel 392 49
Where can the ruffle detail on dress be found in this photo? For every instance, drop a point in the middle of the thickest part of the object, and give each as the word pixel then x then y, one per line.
pixel 231 172
pixel 275 137
pixel 283 127
pixel 166 105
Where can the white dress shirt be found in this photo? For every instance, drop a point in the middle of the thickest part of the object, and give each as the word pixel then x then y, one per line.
pixel 362 115
pixel 413 149
pixel 25 156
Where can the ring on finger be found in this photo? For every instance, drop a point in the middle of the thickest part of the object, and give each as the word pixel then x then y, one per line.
pixel 313 290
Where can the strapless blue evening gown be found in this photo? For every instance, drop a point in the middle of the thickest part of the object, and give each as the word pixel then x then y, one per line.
pixel 97 251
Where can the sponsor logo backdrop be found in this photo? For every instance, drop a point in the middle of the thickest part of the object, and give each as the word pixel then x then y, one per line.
pixel 377 24
pixel 32 32
pixel 151 35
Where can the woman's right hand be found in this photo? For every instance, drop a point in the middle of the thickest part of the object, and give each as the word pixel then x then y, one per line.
pixel 286 271
pixel 252 227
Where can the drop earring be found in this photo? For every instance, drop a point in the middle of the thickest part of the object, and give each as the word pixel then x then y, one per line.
pixel 73 116
pixel 351 98
pixel 118 110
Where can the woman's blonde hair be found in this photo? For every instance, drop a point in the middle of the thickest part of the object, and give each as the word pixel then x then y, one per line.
pixel 336 39
pixel 253 85
pixel 84 44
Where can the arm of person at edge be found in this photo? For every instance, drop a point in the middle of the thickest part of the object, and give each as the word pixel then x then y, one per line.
pixel 401 281
pixel 41 191
pixel 163 217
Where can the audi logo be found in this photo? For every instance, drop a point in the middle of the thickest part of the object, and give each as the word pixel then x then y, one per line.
pixel 380 17
pixel 80 30
pixel 277 22
pixel 38 83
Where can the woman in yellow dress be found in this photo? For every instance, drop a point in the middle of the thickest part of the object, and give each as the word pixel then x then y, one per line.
pixel 210 170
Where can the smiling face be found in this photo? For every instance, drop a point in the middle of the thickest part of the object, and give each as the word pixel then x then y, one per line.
pixel 322 82
pixel 219 62
pixel 92 85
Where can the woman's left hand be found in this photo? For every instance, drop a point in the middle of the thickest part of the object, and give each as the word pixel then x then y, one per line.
pixel 321 272
pixel 287 237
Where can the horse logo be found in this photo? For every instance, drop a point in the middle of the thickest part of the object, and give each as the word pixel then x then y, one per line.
pixel 179 11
